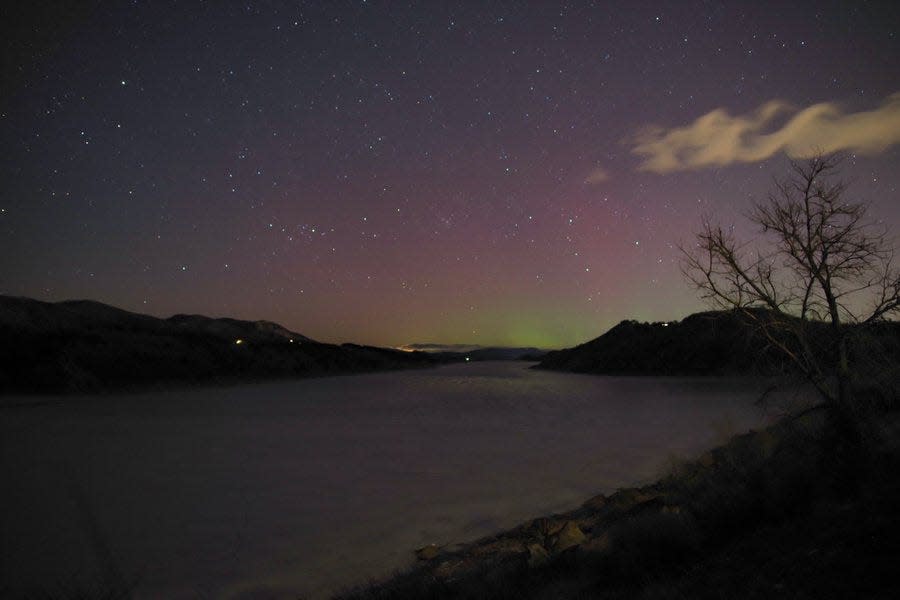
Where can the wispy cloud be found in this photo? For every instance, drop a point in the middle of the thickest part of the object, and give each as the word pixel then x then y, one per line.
pixel 718 138
pixel 597 175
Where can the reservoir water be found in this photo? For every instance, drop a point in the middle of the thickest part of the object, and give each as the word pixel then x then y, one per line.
pixel 298 489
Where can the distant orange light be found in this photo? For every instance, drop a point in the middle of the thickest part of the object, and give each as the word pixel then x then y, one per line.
pixel 238 341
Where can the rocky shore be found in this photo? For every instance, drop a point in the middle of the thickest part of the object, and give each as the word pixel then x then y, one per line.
pixel 704 522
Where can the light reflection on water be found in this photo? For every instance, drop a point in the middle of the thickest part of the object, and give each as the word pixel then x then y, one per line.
pixel 306 486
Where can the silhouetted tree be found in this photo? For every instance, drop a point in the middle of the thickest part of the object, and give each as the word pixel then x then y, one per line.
pixel 818 266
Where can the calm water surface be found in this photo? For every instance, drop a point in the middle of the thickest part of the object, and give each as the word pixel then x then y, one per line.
pixel 302 488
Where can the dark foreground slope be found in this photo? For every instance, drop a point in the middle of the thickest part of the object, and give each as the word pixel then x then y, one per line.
pixel 715 343
pixel 84 346
pixel 769 515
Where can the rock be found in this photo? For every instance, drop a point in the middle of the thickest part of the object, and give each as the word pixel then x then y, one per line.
pixel 504 545
pixel 546 527
pixel 629 498
pixel 595 503
pixel 589 523
pixel 428 552
pixel 652 506
pixel 537 556
pixel 598 545
pixel 447 569
pixel 570 535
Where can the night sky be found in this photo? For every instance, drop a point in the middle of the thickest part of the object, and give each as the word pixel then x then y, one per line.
pixel 388 173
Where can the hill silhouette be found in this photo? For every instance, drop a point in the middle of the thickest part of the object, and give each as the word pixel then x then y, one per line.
pixel 716 343
pixel 86 346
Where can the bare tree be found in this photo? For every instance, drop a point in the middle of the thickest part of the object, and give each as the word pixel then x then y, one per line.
pixel 819 265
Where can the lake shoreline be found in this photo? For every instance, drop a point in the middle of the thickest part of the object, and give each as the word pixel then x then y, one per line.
pixel 750 490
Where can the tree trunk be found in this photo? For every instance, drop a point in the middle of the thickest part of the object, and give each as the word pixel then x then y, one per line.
pixel 844 426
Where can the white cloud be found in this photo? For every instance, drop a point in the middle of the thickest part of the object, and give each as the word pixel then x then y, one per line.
pixel 717 138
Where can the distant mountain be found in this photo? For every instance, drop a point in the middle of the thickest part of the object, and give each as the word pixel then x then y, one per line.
pixel 460 352
pixel 233 328
pixel 85 346
pixel 437 348
pixel 710 343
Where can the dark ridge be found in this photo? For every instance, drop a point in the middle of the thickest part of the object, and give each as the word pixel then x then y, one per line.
pixel 85 346
pixel 716 343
